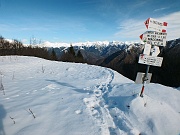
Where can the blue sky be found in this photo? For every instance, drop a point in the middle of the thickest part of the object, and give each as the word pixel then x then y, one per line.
pixel 85 20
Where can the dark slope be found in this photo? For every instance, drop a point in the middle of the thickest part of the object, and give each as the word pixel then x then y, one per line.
pixel 126 63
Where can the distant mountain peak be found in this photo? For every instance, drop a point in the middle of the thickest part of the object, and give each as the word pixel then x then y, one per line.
pixel 87 44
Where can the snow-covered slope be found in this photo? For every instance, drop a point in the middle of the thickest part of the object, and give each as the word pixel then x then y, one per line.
pixel 81 99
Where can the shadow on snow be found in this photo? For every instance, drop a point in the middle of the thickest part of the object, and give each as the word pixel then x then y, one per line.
pixel 70 86
pixel 2 116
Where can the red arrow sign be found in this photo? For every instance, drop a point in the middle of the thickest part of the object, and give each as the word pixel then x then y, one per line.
pixel 147 22
pixel 141 36
pixel 154 25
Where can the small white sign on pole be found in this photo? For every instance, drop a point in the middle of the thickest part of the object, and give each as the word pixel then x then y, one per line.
pixel 155 25
pixel 155 51
pixel 147 49
pixel 140 78
pixel 150 60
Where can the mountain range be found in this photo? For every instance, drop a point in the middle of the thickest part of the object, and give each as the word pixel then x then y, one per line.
pixel 93 52
pixel 120 56
pixel 126 63
pixel 123 57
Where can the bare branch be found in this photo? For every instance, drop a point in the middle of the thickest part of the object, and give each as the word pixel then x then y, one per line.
pixel 32 113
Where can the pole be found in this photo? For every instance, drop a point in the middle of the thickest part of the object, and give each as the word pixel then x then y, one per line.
pixel 145 78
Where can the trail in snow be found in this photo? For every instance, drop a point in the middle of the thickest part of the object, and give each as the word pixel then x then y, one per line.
pixel 96 104
pixel 100 107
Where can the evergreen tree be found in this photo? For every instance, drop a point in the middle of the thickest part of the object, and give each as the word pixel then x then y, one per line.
pixel 79 57
pixel 79 54
pixel 53 55
pixel 71 50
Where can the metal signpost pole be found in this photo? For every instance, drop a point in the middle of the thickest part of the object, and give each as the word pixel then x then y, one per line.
pixel 145 78
pixel 156 36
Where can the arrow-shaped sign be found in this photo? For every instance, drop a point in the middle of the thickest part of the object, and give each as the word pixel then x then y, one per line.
pixel 154 38
pixel 155 51
pixel 154 25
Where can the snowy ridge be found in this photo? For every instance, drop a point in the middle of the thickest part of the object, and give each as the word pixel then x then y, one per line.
pixel 9 40
pixel 74 99
pixel 87 44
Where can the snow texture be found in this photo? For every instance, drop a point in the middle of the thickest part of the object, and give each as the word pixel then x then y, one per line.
pixel 55 98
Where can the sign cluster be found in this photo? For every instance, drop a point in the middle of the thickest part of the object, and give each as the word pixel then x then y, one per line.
pixel 153 39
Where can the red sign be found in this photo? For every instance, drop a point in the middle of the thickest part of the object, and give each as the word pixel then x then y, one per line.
pixel 154 25
pixel 154 38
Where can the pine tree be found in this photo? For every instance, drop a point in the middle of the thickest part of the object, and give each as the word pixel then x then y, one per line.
pixel 79 54
pixel 79 57
pixel 53 55
pixel 71 50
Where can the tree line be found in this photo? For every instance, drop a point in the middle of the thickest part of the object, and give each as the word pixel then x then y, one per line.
pixel 71 56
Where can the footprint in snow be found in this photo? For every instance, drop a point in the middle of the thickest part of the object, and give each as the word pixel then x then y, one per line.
pixel 78 111
pixel 98 93
pixel 16 96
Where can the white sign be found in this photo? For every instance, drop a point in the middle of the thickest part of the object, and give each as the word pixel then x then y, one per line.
pixel 154 25
pixel 140 78
pixel 154 38
pixel 147 49
pixel 150 60
pixel 155 51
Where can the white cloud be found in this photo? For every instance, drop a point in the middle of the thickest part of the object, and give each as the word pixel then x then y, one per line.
pixel 132 29
pixel 66 25
pixel 173 28
pixel 159 9
pixel 6 27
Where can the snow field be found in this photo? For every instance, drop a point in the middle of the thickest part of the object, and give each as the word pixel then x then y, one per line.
pixel 79 99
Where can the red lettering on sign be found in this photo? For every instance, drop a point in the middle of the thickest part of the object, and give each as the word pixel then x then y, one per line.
pixel 163 30
pixel 165 23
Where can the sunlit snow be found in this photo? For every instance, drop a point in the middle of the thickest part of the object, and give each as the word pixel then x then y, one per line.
pixel 45 97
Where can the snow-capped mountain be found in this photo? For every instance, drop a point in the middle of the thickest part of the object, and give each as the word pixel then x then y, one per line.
pixel 126 63
pixel 87 44
pixel 92 52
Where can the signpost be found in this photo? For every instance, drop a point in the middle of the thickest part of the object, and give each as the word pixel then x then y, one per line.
pixel 153 38
pixel 140 78
pixel 155 25
pixel 150 60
